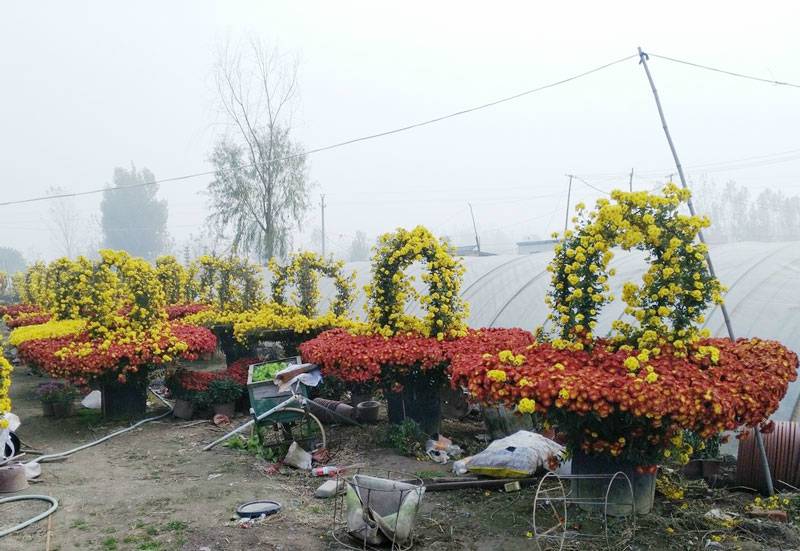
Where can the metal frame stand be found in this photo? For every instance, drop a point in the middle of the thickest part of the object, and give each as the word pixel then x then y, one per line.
pixel 339 531
pixel 552 501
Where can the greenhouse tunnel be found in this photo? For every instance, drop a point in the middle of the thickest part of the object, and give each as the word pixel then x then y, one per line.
pixel 763 298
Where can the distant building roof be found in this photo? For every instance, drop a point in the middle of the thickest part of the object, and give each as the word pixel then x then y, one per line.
pixel 471 250
pixel 538 246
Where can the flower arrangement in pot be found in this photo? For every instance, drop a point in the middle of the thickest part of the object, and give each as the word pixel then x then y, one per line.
pixel 57 399
pixel 223 394
pixel 109 327
pixel 624 401
pixel 241 317
pixel 400 353
pixel 407 357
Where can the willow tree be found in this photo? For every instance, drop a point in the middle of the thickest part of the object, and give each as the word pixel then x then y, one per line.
pixel 260 189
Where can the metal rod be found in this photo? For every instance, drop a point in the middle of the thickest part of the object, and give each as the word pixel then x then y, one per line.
pixel 569 195
pixel 322 205
pixel 759 440
pixel 250 422
pixel 475 229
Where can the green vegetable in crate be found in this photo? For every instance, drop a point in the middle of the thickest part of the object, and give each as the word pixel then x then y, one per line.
pixel 267 371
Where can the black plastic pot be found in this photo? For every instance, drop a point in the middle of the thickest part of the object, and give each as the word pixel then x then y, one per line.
pixel 420 400
pixel 232 348
pixel 63 409
pixel 128 399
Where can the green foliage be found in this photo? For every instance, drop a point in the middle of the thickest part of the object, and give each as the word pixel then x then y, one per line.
pixel 11 261
pixel 258 203
pixel 407 438
pixel 224 391
pixel 252 445
pixel 703 448
pixel 359 249
pixel 331 388
pixel 132 218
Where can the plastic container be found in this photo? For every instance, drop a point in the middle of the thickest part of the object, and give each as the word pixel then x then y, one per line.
pixel 325 471
pixel 368 411
pixel 183 409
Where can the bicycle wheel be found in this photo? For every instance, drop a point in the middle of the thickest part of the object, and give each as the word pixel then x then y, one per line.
pixel 276 437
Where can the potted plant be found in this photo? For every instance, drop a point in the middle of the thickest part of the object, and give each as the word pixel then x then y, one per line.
pixel 184 402
pixel 624 401
pixel 57 399
pixel 705 459
pixel 223 393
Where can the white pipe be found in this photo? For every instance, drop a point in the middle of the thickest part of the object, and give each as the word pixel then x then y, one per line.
pixel 53 506
pixel 52 456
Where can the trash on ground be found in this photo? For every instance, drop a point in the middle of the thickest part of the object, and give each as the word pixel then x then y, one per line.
pixel 512 486
pixel 258 508
pixel 518 455
pixel 321 455
pixel 720 516
pixel 297 457
pixel 775 515
pixel 93 400
pixel 328 470
pixel 271 469
pixel 221 420
pixel 442 450
pixel 330 488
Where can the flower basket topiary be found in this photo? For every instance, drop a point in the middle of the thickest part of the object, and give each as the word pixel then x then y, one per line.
pixel 624 402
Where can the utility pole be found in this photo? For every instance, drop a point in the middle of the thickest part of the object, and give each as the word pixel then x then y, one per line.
pixel 759 439
pixel 630 182
pixel 569 196
pixel 322 204
pixel 475 229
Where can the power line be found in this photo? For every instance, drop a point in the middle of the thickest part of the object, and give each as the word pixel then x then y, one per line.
pixel 723 71
pixel 590 185
pixel 335 145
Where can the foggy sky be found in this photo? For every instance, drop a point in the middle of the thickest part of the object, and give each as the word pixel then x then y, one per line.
pixel 87 86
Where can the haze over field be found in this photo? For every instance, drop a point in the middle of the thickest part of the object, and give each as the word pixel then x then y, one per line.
pixel 91 86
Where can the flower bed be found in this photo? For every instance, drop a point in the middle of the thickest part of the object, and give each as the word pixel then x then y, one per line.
pixel 193 386
pixel 81 358
pixel 5 385
pixel 626 400
pixel 48 330
pixel 619 401
pixel 14 310
pixel 27 319
pixel 356 358
pixel 180 311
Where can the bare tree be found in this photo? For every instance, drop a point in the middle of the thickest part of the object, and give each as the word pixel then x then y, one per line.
pixel 260 189
pixel 64 222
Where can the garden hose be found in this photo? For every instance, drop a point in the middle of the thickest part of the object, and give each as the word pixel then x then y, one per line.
pixel 53 506
pixel 54 456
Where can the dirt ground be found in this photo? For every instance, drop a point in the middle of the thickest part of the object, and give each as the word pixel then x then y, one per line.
pixel 154 489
